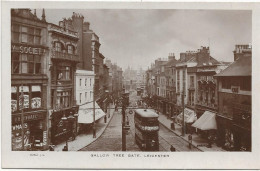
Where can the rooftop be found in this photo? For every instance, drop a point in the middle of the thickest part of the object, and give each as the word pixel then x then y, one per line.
pixel 241 67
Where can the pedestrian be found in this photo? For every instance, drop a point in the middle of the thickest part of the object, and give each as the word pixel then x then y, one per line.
pixel 172 148
pixel 190 140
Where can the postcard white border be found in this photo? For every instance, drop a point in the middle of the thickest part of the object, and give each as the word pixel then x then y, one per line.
pixel 180 160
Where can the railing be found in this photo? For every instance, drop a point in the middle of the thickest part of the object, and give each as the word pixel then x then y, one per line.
pixel 64 55
pixel 59 29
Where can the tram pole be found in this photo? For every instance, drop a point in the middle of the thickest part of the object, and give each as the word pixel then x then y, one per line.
pixel 94 110
pixel 123 130
pixel 22 116
pixel 183 107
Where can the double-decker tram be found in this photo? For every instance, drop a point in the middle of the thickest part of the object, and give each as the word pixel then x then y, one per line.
pixel 146 129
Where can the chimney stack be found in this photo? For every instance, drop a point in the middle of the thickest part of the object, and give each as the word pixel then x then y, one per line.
pixel 86 26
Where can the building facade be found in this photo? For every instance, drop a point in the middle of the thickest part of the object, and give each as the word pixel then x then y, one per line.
pixel 235 103
pixel 63 60
pixel 29 80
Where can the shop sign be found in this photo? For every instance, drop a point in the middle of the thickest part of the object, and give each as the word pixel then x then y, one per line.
pixel 45 138
pixel 28 50
pixel 27 117
pixel 17 136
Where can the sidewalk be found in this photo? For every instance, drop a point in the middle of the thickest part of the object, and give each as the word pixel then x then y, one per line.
pixel 83 140
pixel 196 139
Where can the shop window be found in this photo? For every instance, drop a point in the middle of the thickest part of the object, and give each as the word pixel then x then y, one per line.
pixel 24 97
pixel 14 98
pixel 26 64
pixel 36 97
pixel 27 97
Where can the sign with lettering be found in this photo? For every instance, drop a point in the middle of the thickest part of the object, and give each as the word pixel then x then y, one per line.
pixel 45 138
pixel 27 117
pixel 17 136
pixel 28 50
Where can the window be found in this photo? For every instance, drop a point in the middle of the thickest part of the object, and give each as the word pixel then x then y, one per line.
pixel 90 82
pixel 26 97
pixel 58 46
pixel 63 99
pixel 79 82
pixel 178 75
pixel 86 82
pixel 86 96
pixel 70 49
pixel 36 96
pixel 64 73
pixel 26 34
pixel 25 64
pixel 80 97
pixel 192 81
pixel 90 95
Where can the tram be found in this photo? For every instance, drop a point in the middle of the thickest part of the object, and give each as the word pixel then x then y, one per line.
pixel 146 129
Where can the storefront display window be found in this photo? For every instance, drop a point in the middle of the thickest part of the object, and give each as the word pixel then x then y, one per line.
pixel 36 97
pixel 31 98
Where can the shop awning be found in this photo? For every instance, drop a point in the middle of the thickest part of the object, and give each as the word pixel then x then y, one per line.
pixel 86 113
pixel 189 116
pixel 206 122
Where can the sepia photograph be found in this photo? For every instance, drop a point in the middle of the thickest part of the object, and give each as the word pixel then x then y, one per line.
pixel 129 83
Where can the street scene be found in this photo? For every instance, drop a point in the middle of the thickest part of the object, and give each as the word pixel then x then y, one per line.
pixel 131 80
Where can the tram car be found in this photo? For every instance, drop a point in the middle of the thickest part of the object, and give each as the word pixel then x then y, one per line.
pixel 146 129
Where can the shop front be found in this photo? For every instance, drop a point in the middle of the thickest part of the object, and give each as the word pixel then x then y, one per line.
pixel 63 125
pixel 34 130
pixel 225 133
pixel 86 115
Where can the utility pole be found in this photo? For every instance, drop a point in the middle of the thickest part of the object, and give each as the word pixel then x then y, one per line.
pixel 123 126
pixel 22 117
pixel 183 107
pixel 94 110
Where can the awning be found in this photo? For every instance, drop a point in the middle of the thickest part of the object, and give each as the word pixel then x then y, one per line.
pixel 206 122
pixel 86 113
pixel 189 116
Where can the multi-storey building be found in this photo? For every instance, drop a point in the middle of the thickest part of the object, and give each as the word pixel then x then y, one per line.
pixel 29 80
pixel 235 103
pixel 63 59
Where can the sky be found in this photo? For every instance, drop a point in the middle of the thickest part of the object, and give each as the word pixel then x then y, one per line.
pixel 137 37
